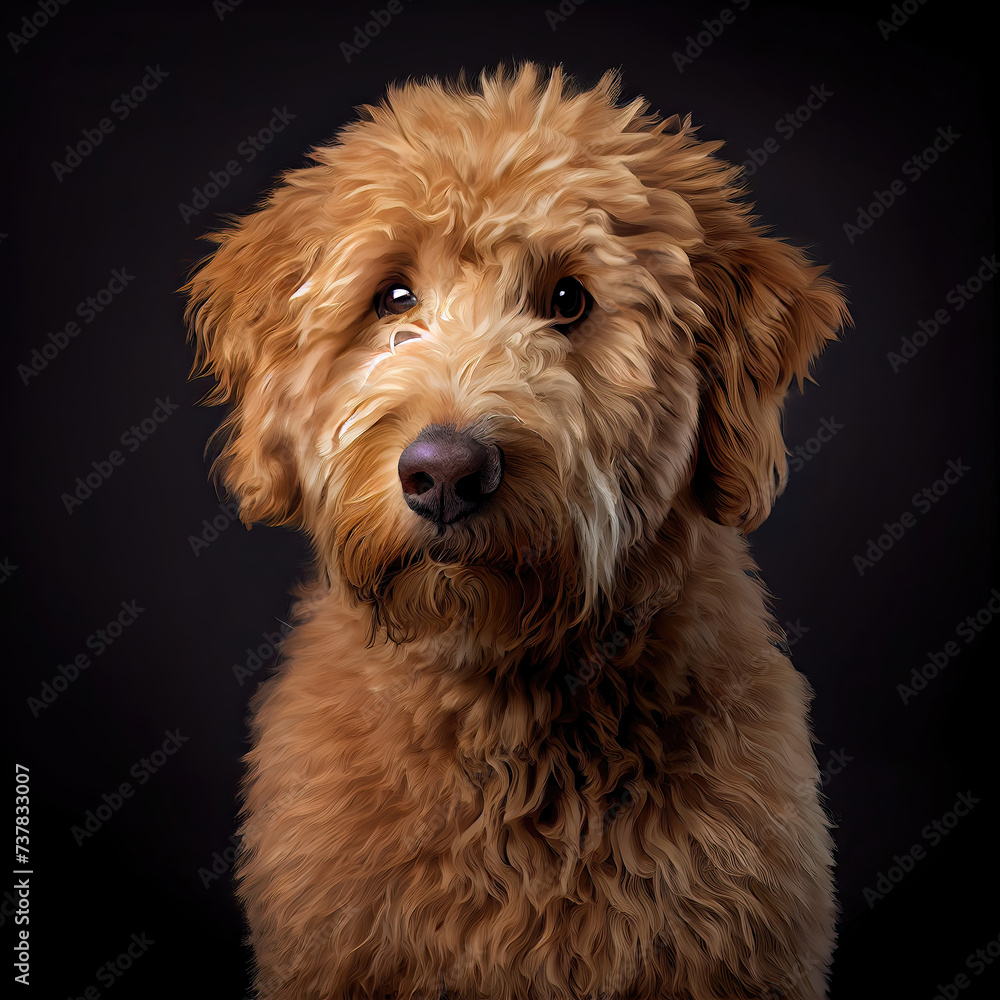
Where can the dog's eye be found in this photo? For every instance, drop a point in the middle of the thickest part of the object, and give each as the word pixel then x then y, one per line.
pixel 394 300
pixel 571 304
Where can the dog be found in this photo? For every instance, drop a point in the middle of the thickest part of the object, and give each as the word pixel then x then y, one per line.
pixel 513 354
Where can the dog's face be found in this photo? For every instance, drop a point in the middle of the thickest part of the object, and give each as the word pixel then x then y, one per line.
pixel 482 348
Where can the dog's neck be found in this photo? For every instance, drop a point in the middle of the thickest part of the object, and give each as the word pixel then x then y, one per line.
pixel 617 689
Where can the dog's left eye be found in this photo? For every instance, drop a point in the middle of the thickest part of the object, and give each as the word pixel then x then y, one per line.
pixel 394 300
pixel 571 304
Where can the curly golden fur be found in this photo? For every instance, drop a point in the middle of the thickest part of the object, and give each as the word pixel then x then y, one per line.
pixel 549 750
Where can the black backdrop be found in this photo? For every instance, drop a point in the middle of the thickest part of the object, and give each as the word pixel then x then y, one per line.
pixel 146 868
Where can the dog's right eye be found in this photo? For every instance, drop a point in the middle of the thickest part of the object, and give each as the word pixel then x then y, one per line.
pixel 571 305
pixel 394 300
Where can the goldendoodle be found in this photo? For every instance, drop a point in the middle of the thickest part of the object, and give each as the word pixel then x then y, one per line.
pixel 513 354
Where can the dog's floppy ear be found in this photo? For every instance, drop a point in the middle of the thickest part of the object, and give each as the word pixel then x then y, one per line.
pixel 763 311
pixel 770 313
pixel 242 318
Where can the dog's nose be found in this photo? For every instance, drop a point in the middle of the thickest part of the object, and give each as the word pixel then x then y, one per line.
pixel 446 473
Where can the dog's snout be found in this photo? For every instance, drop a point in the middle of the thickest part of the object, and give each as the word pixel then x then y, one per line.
pixel 446 474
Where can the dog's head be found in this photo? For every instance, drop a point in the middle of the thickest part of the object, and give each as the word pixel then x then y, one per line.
pixel 485 344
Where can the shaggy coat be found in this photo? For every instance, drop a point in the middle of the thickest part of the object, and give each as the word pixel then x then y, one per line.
pixel 550 751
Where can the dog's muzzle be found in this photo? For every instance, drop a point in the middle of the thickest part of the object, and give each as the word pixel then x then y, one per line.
pixel 448 474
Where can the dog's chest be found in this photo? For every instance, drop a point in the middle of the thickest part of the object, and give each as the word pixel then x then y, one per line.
pixel 543 814
pixel 534 783
pixel 528 856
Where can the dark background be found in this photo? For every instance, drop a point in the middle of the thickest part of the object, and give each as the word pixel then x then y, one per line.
pixel 855 636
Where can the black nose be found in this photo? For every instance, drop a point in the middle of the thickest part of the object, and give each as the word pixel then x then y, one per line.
pixel 446 474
